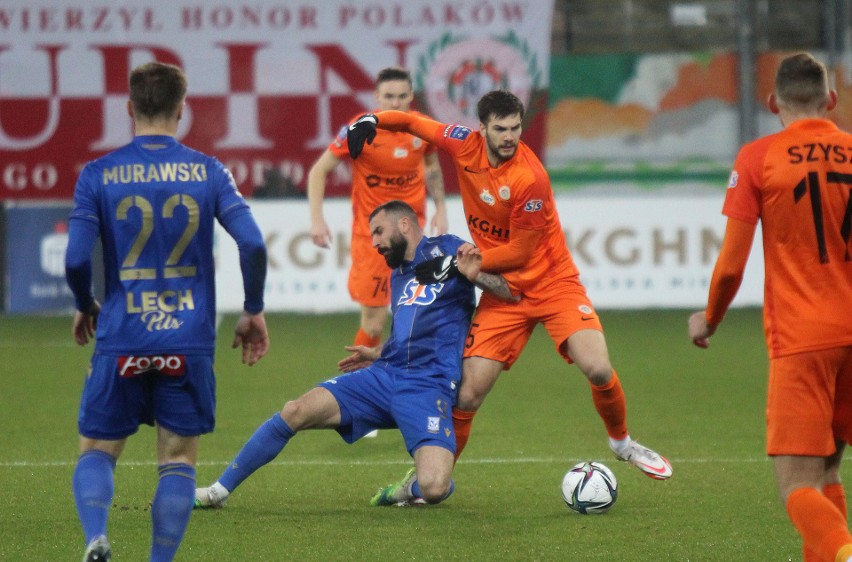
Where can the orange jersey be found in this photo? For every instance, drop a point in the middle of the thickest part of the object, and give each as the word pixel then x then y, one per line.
pixel 390 168
pixel 515 196
pixel 798 182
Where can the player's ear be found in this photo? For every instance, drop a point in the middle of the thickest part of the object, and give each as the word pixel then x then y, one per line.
pixel 832 100
pixel 772 103
pixel 130 109
pixel 180 110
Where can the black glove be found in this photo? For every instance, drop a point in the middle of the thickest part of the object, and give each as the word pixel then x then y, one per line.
pixel 364 129
pixel 436 270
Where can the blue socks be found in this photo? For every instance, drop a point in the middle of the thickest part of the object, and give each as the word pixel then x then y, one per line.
pixel 171 509
pixel 269 439
pixel 93 490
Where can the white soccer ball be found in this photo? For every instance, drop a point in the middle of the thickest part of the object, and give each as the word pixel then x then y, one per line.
pixel 589 487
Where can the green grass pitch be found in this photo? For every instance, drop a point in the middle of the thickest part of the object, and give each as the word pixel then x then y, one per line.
pixel 702 409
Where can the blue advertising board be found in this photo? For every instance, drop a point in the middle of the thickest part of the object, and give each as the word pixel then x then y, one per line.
pixel 36 239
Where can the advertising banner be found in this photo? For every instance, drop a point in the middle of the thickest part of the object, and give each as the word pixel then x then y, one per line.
pixel 632 253
pixel 270 81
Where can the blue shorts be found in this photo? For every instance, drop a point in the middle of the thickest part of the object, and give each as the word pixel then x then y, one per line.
pixel 380 397
pixel 178 392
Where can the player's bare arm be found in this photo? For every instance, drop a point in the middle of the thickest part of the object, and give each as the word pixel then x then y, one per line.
pixel 469 262
pixel 320 233
pixel 435 185
pixel 86 323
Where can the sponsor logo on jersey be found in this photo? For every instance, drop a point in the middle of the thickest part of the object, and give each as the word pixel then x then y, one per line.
pixel 415 294
pixel 533 205
pixel 456 132
pixel 732 181
pixel 487 228
pixel 504 192
pixel 487 197
pixel 136 365
pixel 391 181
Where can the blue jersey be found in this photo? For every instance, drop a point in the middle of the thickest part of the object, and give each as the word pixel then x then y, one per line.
pixel 154 203
pixel 430 322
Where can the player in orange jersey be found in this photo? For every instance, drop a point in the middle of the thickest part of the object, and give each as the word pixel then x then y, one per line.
pixel 798 183
pixel 396 166
pixel 511 215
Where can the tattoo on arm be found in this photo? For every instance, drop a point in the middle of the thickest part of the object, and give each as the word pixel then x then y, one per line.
pixel 496 285
pixel 435 181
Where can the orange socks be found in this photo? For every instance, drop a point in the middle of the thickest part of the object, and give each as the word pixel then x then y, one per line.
pixel 837 495
pixel 363 338
pixel 611 406
pixel 462 421
pixel 820 523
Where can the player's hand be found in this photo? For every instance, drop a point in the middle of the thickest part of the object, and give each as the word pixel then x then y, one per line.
pixel 699 330
pixel 362 356
pixel 361 131
pixel 86 323
pixel 439 224
pixel 436 270
pixel 469 261
pixel 321 234
pixel 250 333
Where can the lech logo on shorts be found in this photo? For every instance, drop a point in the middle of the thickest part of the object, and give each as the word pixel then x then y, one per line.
pixel 434 424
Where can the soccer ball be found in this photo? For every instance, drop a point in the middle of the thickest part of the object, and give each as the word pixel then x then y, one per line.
pixel 589 487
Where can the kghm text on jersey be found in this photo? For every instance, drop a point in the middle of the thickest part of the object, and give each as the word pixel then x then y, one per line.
pixel 819 152
pixel 487 228
pixel 162 171
pixel 156 308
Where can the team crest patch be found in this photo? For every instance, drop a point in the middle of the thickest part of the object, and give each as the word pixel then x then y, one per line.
pixel 732 181
pixel 585 309
pixel 400 152
pixel 487 197
pixel 416 142
pixel 504 192
pixel 434 424
pixel 436 252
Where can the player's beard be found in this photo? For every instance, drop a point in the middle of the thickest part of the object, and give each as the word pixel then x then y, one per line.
pixel 395 255
pixel 494 149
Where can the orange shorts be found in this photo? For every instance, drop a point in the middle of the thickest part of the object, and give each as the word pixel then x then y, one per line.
pixel 500 330
pixel 809 403
pixel 369 274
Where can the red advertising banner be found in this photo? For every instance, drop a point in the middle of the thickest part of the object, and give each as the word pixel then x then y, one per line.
pixel 270 82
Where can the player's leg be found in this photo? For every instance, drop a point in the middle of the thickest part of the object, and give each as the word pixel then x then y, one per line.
pixel 808 411
pixel 173 499
pixel 316 409
pixel 832 488
pixel 372 324
pixel 369 286
pixel 479 375
pixel 93 486
pixel 434 468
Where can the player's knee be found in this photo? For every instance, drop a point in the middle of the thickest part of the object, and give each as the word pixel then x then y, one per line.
pixel 599 375
pixel 433 490
pixel 470 399
pixel 294 414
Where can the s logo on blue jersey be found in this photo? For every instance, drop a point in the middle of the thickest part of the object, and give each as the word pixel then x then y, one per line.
pixel 533 205
pixel 456 132
pixel 415 294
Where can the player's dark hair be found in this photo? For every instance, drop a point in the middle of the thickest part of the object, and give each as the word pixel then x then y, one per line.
pixel 802 81
pixel 157 89
pixel 392 73
pixel 498 104
pixel 397 209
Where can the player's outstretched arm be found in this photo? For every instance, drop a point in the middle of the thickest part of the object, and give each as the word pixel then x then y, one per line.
pixel 362 356
pixel 469 263
pixel 250 333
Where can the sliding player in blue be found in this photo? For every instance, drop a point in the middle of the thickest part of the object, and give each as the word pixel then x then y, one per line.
pixel 410 383
pixel 153 203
